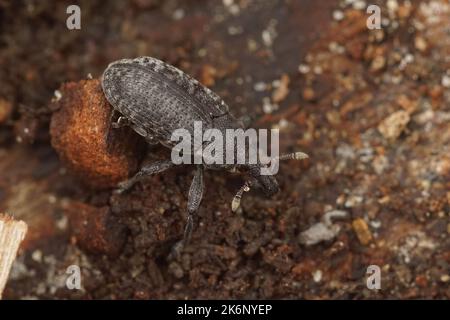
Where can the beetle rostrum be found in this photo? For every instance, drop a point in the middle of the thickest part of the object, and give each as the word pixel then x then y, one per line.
pixel 155 99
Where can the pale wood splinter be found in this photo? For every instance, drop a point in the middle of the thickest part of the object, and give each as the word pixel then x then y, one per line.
pixel 12 233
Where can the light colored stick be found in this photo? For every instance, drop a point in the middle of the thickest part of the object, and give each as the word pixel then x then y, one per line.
pixel 11 235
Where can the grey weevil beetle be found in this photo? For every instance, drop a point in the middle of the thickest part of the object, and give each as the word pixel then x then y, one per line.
pixel 154 99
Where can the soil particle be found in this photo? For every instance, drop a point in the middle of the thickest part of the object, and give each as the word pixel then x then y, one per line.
pixel 362 231
pixel 394 125
pixel 79 131
pixel 96 230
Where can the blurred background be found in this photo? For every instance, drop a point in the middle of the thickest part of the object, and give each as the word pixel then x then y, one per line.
pixel 370 107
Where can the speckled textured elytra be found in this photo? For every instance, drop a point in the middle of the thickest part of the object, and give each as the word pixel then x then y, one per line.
pixel 158 98
pixel 155 99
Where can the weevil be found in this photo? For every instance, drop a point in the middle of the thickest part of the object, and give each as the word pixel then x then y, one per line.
pixel 155 99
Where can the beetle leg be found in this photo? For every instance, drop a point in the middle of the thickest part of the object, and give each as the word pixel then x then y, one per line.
pixel 147 170
pixel 121 122
pixel 194 198
pixel 115 121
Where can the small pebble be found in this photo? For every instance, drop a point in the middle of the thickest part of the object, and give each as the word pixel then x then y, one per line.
pixel 359 5
pixel 378 63
pixel 283 89
pixel 260 86
pixel 57 95
pixel 304 68
pixel 420 44
pixel 338 15
pixel 178 14
pixel 317 275
pixel 446 81
pixel 37 255
pixel 394 125
pixel 268 106
pixel 353 201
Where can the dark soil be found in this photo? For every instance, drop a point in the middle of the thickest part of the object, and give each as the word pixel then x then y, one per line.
pixel 370 107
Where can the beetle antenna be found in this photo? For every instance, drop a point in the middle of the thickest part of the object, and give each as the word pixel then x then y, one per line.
pixel 236 203
pixel 294 156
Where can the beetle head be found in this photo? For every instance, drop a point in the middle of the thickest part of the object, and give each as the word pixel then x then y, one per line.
pixel 268 183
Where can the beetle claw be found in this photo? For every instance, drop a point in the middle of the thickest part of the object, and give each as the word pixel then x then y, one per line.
pixel 123 186
pixel 120 123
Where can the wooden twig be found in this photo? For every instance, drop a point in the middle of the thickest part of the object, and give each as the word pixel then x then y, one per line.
pixel 11 235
